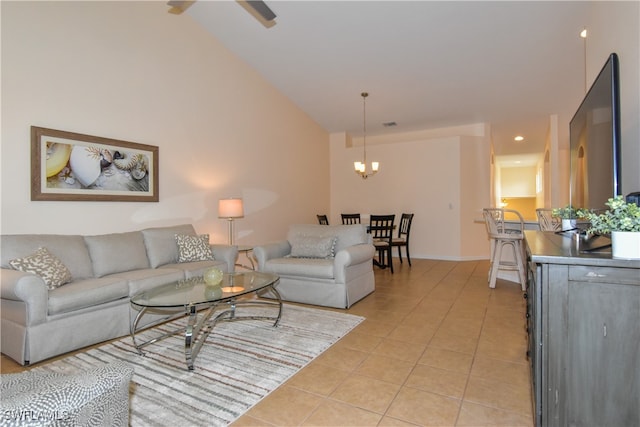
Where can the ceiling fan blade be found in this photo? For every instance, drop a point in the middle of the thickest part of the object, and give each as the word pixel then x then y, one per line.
pixel 262 9
pixel 179 6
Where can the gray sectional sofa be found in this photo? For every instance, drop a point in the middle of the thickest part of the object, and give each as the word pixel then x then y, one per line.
pixel 39 322
pixel 327 265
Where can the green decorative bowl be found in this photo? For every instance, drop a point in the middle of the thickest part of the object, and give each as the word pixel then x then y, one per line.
pixel 213 276
pixel 212 292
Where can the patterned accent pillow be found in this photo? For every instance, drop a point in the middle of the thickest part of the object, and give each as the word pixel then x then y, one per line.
pixel 46 265
pixel 193 248
pixel 313 247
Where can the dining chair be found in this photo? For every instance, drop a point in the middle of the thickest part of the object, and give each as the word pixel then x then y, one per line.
pixel 323 220
pixel 502 236
pixel 350 218
pixel 381 228
pixel 403 236
pixel 547 221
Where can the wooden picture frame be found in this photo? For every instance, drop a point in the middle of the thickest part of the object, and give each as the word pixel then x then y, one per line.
pixel 68 166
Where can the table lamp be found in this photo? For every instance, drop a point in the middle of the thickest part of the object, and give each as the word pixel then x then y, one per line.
pixel 230 209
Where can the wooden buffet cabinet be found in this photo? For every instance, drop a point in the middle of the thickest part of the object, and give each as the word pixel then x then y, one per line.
pixel 583 323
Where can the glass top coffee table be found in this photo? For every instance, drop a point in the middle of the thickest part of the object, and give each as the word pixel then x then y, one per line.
pixel 200 301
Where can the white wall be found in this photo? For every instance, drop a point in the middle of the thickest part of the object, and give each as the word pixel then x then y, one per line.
pixel 518 181
pixel 474 195
pixel 435 174
pixel 132 71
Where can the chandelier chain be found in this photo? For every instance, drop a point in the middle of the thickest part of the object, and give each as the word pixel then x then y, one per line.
pixel 361 167
pixel 364 125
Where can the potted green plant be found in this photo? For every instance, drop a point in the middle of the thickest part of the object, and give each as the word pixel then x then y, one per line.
pixel 622 222
pixel 569 216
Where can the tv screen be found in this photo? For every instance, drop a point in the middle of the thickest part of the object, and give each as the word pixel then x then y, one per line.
pixel 595 141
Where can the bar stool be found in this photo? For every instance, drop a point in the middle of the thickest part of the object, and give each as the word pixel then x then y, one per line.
pixel 546 220
pixel 502 236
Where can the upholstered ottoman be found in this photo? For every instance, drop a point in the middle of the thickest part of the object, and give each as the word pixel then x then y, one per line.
pixel 95 397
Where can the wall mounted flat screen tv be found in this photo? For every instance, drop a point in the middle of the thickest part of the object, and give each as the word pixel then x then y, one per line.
pixel 595 141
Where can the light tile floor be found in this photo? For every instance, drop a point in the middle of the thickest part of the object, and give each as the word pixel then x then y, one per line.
pixel 437 348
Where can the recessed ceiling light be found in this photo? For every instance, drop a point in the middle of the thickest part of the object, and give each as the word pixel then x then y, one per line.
pixel 583 33
pixel 519 138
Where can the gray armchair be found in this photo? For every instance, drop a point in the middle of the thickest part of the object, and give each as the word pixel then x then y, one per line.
pixel 327 265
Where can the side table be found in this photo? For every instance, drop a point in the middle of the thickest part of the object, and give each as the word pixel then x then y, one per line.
pixel 247 251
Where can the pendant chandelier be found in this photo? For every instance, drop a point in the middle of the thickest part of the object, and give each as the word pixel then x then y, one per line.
pixel 361 167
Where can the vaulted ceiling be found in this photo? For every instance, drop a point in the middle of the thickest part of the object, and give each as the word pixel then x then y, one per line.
pixel 425 64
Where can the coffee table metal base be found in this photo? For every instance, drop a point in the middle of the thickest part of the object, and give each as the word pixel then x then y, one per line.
pixel 199 326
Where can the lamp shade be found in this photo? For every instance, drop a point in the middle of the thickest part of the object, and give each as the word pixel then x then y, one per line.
pixel 230 208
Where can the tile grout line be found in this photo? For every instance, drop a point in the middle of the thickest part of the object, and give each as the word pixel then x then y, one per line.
pixel 473 359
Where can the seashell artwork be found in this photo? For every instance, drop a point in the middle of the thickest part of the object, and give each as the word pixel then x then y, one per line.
pixel 125 161
pixel 105 158
pixel 134 163
pixel 72 166
pixel 138 172
pixel 57 157
pixel 85 164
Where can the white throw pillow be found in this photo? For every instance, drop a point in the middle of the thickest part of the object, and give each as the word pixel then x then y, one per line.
pixel 193 248
pixel 46 265
pixel 313 247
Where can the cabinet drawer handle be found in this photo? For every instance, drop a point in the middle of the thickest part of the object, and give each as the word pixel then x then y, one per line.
pixel 594 274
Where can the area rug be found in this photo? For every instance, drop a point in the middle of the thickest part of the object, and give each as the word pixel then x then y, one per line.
pixel 241 363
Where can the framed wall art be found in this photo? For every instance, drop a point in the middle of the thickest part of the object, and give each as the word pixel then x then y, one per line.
pixel 73 166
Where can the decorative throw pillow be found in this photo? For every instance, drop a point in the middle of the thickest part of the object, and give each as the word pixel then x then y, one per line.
pixel 193 248
pixel 46 265
pixel 313 247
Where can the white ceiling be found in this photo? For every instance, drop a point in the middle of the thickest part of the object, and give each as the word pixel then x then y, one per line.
pixel 425 64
